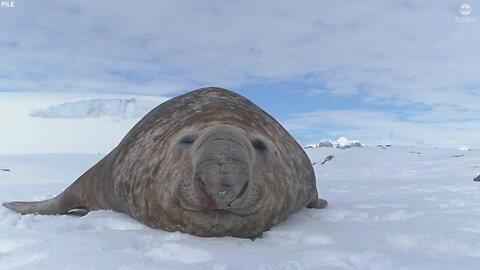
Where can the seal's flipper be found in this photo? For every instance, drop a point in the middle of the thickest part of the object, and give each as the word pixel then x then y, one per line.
pixel 318 203
pixel 54 206
pixel 77 199
pixel 253 238
pixel 79 212
pixel 69 199
pixel 28 207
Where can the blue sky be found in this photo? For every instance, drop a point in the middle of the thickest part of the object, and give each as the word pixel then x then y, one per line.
pixel 402 72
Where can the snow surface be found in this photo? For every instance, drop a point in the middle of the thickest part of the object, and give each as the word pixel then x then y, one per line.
pixel 392 208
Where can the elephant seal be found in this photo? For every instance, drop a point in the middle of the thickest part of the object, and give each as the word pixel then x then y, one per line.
pixel 208 163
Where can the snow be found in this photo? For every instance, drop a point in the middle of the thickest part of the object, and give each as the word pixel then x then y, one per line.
pixel 465 148
pixel 392 208
pixel 311 146
pixel 342 142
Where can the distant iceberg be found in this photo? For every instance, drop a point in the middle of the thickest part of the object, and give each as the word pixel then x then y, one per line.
pixel 341 143
pixel 326 143
pixel 96 108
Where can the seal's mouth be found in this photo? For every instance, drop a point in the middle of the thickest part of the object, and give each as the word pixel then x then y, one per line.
pixel 240 194
pixel 194 197
pixel 217 200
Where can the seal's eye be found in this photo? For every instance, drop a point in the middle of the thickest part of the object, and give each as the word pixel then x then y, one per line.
pixel 188 139
pixel 259 145
pixel 183 144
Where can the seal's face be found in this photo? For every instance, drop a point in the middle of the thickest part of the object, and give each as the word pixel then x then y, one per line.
pixel 223 160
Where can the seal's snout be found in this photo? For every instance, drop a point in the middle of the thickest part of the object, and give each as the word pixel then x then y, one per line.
pixel 221 192
pixel 222 166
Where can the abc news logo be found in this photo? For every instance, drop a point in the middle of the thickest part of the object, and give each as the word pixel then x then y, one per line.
pixel 466 10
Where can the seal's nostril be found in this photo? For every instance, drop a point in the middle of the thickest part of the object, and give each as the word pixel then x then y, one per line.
pixel 201 185
pixel 200 181
pixel 243 190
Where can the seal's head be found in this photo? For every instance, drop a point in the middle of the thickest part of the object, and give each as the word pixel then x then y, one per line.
pixel 224 161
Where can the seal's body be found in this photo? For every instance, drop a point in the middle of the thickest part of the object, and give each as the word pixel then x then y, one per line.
pixel 208 163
